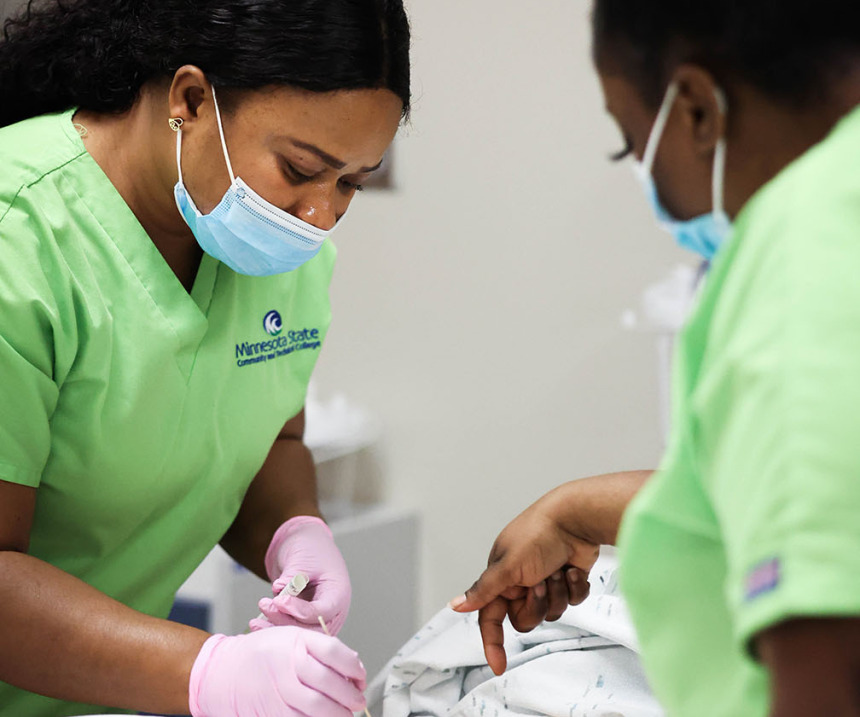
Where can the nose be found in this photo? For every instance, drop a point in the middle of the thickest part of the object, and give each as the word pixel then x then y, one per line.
pixel 317 209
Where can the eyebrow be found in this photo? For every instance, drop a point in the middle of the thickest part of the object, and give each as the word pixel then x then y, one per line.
pixel 331 161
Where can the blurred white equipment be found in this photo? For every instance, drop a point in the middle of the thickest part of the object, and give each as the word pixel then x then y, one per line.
pixel 663 309
pixel 337 428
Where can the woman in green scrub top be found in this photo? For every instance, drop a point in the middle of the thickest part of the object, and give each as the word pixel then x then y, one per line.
pixel 740 556
pixel 171 171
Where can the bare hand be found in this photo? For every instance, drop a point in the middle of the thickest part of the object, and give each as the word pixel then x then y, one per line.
pixel 535 570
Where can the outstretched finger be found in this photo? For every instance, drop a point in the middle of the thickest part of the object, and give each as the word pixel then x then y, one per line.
pixel 491 620
pixel 492 583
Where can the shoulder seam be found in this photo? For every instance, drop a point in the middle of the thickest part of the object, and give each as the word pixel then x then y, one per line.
pixel 27 185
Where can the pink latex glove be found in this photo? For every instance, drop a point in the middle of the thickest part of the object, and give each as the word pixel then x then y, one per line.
pixel 304 544
pixel 282 672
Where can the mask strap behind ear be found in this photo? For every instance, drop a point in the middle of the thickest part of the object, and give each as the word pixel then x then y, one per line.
pixel 179 153
pixel 719 175
pixel 659 127
pixel 223 141
pixel 717 183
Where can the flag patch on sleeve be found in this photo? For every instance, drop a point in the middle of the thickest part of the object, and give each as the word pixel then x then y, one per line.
pixel 762 579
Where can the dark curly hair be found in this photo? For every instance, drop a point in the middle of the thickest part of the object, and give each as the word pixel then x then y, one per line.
pixel 788 49
pixel 97 54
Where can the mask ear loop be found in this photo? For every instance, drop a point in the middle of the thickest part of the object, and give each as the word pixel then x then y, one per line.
pixel 719 173
pixel 179 153
pixel 223 141
pixel 659 127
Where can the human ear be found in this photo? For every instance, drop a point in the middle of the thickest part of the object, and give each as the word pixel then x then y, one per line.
pixel 702 106
pixel 189 91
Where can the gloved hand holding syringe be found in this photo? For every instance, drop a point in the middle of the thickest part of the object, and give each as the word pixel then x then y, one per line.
pixel 294 588
pixel 291 664
pixel 305 545
pixel 310 581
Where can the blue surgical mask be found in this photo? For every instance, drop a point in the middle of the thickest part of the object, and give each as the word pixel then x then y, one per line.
pixel 247 233
pixel 706 233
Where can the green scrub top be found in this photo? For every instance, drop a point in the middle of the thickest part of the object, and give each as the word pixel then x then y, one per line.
pixel 754 515
pixel 140 412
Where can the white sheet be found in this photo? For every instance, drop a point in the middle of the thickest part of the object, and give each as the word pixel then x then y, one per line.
pixel 584 665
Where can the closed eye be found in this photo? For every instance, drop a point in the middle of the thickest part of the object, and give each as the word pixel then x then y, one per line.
pixel 352 186
pixel 294 174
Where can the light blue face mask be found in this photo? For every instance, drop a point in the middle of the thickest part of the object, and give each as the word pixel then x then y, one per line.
pixel 706 233
pixel 247 233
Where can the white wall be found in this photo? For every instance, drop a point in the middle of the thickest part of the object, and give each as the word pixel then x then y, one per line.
pixel 7 7
pixel 477 308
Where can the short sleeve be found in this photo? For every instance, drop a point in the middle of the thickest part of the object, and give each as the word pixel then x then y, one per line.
pixel 28 322
pixel 778 414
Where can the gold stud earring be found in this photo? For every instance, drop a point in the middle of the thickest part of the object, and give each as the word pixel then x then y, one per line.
pixel 175 123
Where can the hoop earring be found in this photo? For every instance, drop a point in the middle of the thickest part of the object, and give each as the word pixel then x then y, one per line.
pixel 175 123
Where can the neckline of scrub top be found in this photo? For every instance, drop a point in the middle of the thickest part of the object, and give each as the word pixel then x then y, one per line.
pixel 185 312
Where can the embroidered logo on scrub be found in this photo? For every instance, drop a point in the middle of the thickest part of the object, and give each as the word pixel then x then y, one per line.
pixel 762 579
pixel 272 323
pixel 281 344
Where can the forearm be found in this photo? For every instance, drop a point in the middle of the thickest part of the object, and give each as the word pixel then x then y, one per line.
pixel 284 488
pixel 592 508
pixel 63 638
pixel 814 666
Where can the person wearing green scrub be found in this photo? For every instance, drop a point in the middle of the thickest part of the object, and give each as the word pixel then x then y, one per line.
pixel 740 556
pixel 171 174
